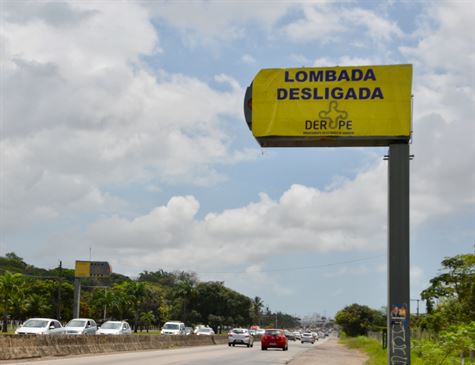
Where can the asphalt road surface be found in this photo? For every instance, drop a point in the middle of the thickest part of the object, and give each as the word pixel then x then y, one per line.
pixel 204 355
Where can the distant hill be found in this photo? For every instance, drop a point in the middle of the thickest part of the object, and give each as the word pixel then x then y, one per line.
pixel 13 263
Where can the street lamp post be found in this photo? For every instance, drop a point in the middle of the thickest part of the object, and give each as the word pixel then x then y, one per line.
pixel 416 300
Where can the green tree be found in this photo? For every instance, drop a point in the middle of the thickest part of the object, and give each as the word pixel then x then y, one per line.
pixel 10 285
pixel 120 306
pixel 165 310
pixel 167 279
pixel 356 320
pixel 13 263
pixel 213 298
pixel 185 292
pixel 38 305
pixel 450 298
pixel 215 321
pixel 257 305
pixel 448 346
pixel 136 295
pixel 104 300
pixel 146 319
pixel 19 304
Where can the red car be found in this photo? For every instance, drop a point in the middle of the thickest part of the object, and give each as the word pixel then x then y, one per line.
pixel 274 338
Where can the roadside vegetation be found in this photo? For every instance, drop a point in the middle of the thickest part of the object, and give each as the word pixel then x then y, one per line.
pixel 370 346
pixel 146 302
pixel 444 335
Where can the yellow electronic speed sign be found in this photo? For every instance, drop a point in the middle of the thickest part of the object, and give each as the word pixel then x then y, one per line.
pixel 330 106
pixel 86 269
pixel 82 269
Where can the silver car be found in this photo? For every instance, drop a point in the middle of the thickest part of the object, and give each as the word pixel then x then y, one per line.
pixel 205 331
pixel 81 326
pixel 114 328
pixel 307 337
pixel 240 336
pixel 40 326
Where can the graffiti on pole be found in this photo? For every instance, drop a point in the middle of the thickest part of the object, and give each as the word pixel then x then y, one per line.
pixel 399 351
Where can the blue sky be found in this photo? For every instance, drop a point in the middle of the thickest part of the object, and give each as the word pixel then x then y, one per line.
pixel 122 133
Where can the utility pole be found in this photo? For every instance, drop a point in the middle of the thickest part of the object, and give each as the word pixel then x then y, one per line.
pixel 417 301
pixel 60 282
pixel 77 297
pixel 399 335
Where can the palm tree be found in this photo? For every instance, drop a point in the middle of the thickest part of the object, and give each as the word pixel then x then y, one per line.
pixel 38 305
pixel 19 305
pixel 147 319
pixel 106 300
pixel 257 305
pixel 10 285
pixel 185 290
pixel 120 300
pixel 136 292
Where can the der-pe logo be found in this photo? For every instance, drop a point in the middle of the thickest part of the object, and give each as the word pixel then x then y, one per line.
pixel 333 120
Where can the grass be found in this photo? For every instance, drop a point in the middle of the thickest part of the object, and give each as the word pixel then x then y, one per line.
pixel 373 348
pixel 10 332
pixel 150 332
pixel 377 355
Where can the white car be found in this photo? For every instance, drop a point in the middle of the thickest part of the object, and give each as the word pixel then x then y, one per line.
pixel 198 327
pixel 260 332
pixel 240 336
pixel 307 337
pixel 114 328
pixel 173 328
pixel 81 326
pixel 205 331
pixel 40 326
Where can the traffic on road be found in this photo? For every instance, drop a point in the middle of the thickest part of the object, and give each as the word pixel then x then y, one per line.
pixel 200 355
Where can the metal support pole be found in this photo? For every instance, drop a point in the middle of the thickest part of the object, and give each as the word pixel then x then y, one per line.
pixel 77 297
pixel 60 283
pixel 399 336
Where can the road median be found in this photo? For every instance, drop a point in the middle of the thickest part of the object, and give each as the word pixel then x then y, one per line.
pixel 16 347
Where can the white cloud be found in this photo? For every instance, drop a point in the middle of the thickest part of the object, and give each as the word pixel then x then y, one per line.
pixel 82 112
pixel 300 60
pixel 419 282
pixel 318 22
pixel 445 38
pixel 443 177
pixel 345 61
pixel 416 274
pixel 254 279
pixel 327 21
pixel 216 22
pixel 76 46
pixel 248 59
pixel 378 29
pixel 349 217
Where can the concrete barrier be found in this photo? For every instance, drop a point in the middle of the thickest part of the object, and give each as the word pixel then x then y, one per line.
pixel 31 346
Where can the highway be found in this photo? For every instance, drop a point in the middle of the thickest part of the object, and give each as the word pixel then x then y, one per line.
pixel 203 355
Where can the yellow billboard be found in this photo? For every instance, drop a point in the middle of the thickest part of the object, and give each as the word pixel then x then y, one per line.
pixel 360 105
pixel 82 269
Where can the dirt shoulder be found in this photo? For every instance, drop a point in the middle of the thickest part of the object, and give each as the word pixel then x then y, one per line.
pixel 330 353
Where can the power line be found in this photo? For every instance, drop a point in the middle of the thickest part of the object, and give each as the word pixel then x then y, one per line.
pixel 258 271
pixel 296 268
